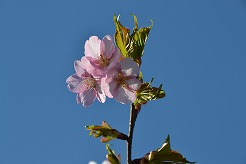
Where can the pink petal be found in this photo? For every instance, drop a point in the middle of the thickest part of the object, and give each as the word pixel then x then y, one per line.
pixel 93 61
pixel 86 65
pixel 76 84
pixel 129 67
pixel 92 47
pixel 120 95
pixel 86 98
pixel 79 68
pixel 100 94
pixel 93 67
pixel 107 46
pixel 105 86
pixel 131 95
pixel 114 70
pixel 134 84
pixel 114 58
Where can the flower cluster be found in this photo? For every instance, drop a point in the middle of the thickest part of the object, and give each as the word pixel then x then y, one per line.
pixel 102 72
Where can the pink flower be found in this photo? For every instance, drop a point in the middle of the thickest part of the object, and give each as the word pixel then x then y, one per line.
pixel 101 54
pixel 121 82
pixel 85 85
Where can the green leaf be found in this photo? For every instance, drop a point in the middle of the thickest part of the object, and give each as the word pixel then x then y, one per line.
pixel 135 23
pixel 105 131
pixel 138 40
pixel 147 93
pixel 140 76
pixel 112 158
pixel 122 37
pixel 166 155
pixel 131 45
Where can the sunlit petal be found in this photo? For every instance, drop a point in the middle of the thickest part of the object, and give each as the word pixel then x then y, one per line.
pixel 86 98
pixel 120 95
pixel 76 84
pixel 133 84
pixel 114 59
pixel 92 47
pixel 79 68
pixel 107 46
pixel 100 94
pixel 129 67
pixel 130 94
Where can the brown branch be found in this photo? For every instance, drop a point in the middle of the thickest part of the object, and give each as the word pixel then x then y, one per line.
pixel 122 136
pixel 134 110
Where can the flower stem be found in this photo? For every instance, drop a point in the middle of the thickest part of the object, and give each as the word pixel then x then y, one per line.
pixel 134 110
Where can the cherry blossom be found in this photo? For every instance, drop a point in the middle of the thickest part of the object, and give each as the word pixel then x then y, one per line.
pixel 101 54
pixel 85 85
pixel 121 81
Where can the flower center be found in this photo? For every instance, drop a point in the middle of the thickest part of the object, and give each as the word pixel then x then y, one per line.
pixel 90 82
pixel 103 60
pixel 121 80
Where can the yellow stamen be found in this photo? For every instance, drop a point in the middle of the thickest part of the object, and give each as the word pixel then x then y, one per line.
pixel 103 61
pixel 121 80
pixel 91 82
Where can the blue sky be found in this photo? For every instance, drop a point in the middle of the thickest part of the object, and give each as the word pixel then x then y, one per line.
pixel 196 48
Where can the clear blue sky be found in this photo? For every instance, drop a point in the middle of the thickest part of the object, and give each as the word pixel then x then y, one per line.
pixel 196 48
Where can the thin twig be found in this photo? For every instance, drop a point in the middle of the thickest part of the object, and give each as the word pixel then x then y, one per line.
pixel 134 110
